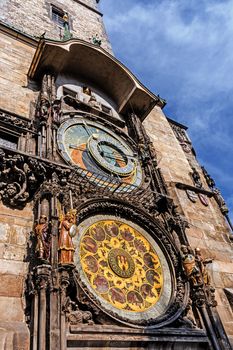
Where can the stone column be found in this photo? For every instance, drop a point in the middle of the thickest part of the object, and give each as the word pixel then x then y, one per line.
pixel 43 279
pixel 64 283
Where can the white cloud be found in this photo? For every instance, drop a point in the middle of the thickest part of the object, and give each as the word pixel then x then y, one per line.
pixel 183 50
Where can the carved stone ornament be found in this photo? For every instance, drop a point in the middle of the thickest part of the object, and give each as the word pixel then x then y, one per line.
pixel 196 178
pixel 182 138
pixel 75 316
pixel 188 320
pixel 209 179
pixel 203 199
pixel 192 196
pixel 220 200
pixel 20 176
pixel 16 121
pixel 186 147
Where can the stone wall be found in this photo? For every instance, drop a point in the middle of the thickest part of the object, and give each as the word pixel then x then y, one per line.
pixel 34 18
pixel 15 60
pixel 15 97
pixel 208 228
pixel 15 228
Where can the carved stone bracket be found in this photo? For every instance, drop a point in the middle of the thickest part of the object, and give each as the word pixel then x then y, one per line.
pixel 16 121
pixel 20 176
pixel 42 276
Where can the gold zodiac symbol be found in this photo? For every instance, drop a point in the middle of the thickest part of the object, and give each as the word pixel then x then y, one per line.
pixel 122 262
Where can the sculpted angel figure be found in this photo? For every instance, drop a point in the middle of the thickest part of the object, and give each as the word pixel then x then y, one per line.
pixel 68 229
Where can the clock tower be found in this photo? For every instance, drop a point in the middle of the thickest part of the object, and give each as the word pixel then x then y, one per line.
pixel 101 197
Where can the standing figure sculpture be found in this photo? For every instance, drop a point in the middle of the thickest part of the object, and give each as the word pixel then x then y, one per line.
pixel 202 266
pixel 68 229
pixel 190 266
pixel 43 238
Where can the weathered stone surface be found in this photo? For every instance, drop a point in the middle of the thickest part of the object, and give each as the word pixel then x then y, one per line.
pixel 14 336
pixel 85 22
pixel 14 229
pixel 13 252
pixel 4 232
pixel 208 228
pixel 11 309
pixel 15 57
pixel 11 285
pixel 15 267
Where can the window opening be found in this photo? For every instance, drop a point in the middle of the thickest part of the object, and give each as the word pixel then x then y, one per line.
pixel 58 16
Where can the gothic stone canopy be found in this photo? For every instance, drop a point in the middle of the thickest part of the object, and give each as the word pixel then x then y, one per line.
pixel 85 61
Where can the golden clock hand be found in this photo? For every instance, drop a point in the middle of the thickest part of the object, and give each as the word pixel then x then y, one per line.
pixel 80 148
pixel 108 155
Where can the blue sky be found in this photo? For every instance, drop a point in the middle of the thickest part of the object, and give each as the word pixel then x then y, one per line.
pixel 183 51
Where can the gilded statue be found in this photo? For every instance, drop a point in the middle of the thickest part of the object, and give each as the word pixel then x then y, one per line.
pixel 202 266
pixel 190 266
pixel 195 266
pixel 43 238
pixel 68 229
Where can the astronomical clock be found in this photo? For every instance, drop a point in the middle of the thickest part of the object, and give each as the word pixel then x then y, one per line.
pixel 111 254
pixel 97 253
pixel 121 266
pixel 97 150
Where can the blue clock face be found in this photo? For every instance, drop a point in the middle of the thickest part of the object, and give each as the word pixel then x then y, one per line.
pixel 105 156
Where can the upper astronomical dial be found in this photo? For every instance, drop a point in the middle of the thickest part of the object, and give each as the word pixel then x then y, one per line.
pixel 111 154
pixel 96 149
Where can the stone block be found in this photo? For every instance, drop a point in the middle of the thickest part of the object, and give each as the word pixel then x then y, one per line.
pixel 18 235
pixel 11 309
pixel 14 336
pixel 227 279
pixel 225 314
pixel 4 232
pixel 13 268
pixel 14 252
pixel 11 285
